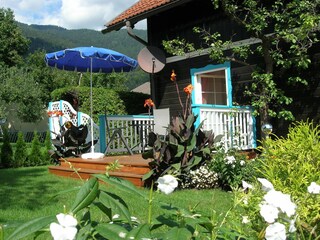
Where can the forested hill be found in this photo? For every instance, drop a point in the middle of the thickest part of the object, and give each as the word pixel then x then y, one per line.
pixel 54 38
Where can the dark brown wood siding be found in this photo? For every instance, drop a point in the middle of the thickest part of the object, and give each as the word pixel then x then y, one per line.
pixel 180 21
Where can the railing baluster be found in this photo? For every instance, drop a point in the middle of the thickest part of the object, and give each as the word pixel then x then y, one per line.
pixel 235 124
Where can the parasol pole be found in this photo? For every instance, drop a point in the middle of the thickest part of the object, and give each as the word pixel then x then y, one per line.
pixel 92 154
pixel 92 145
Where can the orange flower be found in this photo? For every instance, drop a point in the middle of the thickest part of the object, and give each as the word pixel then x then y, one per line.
pixel 188 89
pixel 173 76
pixel 148 103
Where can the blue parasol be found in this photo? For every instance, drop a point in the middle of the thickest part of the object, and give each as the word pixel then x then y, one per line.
pixel 90 59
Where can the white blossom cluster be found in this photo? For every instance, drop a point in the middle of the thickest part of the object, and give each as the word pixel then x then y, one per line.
pixel 274 204
pixel 201 178
pixel 231 160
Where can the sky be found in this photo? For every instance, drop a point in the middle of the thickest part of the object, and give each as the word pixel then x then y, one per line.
pixel 69 14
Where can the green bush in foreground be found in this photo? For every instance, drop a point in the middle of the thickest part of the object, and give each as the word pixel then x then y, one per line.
pixel 117 221
pixel 292 163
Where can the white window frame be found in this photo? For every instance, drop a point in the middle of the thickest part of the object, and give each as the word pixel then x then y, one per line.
pixel 196 82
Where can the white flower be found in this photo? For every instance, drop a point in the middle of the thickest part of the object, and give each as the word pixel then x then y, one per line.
pixel 292 228
pixel 246 185
pixel 245 219
pixel 314 188
pixel 269 212
pixel 167 184
pixel 276 231
pixel 122 235
pixel 281 201
pixel 115 216
pixel 66 229
pixel 242 163
pixel 266 185
pixel 230 159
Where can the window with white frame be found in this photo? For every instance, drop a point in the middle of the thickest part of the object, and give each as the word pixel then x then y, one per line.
pixel 212 85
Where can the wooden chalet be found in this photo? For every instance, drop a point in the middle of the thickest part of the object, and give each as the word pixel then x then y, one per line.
pixel 216 86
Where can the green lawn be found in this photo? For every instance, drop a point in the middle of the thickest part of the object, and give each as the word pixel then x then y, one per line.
pixel 28 193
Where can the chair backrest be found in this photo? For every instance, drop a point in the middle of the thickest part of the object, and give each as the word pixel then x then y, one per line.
pixel 161 120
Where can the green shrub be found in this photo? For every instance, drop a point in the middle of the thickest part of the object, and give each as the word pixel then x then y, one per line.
pixel 35 156
pixel 292 163
pixel 134 102
pixel 47 147
pixel 20 154
pixel 6 150
pixel 232 167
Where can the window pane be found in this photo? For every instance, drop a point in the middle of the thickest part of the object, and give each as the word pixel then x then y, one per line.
pixel 213 85
pixel 221 99
pixel 207 84
pixel 208 98
pixel 220 85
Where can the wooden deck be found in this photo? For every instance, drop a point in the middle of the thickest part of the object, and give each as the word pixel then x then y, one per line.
pixel 133 167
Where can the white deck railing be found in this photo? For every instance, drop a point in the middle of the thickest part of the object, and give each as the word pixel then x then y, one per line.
pixel 134 130
pixel 237 125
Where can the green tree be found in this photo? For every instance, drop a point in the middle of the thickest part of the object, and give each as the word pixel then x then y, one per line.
pixel 21 88
pixel 13 43
pixel 6 155
pixel 35 157
pixel 283 31
pixel 20 154
pixel 47 77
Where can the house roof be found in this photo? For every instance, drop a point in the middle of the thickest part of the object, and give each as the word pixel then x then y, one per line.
pixel 139 11
pixel 143 88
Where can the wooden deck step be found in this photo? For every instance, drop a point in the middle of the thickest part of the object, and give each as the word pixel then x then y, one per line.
pixel 132 168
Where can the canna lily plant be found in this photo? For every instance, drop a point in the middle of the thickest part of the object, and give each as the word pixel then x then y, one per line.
pixel 184 148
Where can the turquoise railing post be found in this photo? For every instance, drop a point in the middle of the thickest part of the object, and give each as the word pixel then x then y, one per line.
pixel 102 133
pixel 50 121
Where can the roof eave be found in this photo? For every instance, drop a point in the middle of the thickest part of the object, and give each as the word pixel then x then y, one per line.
pixel 119 25
pixel 133 20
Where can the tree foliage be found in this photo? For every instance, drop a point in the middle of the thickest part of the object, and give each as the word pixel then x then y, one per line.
pixel 27 82
pixel 283 31
pixel 13 43
pixel 35 156
pixel 20 154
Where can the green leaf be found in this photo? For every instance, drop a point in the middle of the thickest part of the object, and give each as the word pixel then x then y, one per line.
pixel 114 204
pixel 180 151
pixel 190 121
pixel 86 195
pixel 177 166
pixel 121 184
pixel 140 232
pixel 192 143
pixel 147 175
pixel 31 227
pixel 111 231
pixel 178 233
